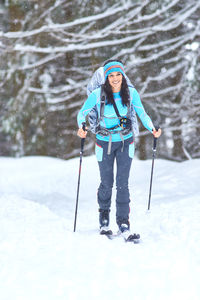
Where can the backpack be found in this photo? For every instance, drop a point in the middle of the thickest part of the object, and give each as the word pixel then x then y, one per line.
pixel 94 118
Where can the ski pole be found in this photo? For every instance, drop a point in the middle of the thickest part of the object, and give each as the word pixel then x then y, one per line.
pixel 79 176
pixel 152 167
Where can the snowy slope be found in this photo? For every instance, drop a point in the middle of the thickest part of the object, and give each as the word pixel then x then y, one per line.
pixel 42 259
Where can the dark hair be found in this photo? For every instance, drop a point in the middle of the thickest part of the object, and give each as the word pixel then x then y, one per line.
pixel 124 93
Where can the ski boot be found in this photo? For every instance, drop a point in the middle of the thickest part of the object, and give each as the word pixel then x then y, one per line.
pixel 104 221
pixel 124 230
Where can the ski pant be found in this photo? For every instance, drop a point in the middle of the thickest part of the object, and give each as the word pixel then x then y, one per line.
pixel 123 156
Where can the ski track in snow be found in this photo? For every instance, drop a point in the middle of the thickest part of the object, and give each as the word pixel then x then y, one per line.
pixel 41 258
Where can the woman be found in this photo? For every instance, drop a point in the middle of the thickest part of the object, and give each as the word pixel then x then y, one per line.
pixel 115 119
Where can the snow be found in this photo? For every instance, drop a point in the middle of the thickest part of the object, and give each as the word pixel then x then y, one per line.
pixel 41 258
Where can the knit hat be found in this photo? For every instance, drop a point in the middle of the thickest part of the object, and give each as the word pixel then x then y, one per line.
pixel 113 66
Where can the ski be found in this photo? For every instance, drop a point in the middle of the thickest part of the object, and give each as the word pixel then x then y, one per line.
pixel 132 238
pixel 108 233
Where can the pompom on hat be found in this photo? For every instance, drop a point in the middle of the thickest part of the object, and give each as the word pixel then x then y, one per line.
pixel 113 66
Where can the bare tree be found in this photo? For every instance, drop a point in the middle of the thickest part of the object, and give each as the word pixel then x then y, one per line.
pixel 51 48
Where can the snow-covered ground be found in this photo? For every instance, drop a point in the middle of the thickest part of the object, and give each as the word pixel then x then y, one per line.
pixel 42 259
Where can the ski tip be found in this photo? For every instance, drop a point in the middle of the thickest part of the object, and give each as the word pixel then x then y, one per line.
pixel 135 238
pixel 106 232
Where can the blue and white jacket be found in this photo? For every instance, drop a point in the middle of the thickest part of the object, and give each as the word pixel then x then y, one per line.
pixel 110 118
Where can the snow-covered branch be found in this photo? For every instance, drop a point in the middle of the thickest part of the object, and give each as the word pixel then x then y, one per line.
pixel 57 27
pixel 51 51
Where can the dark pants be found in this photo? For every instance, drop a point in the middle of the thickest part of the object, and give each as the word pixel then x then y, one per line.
pixel 106 166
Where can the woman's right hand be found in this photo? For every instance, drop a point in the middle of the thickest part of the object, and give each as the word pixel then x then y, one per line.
pixel 82 133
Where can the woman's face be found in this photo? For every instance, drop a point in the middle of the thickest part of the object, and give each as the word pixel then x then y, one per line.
pixel 115 80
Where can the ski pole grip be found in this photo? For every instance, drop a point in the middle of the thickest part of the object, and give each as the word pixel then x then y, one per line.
pixel 154 143
pixel 82 144
pixel 83 139
pixel 155 139
pixel 83 126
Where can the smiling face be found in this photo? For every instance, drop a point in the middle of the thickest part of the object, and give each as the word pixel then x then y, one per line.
pixel 115 80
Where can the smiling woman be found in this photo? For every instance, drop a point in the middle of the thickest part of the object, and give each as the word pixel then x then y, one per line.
pixel 115 141
pixel 114 73
pixel 115 80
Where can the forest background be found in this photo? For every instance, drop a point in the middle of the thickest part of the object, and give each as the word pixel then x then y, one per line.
pixel 49 49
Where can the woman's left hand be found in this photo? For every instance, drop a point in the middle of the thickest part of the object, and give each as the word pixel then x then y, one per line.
pixel 156 133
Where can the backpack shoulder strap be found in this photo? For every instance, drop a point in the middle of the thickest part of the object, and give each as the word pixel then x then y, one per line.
pixel 129 105
pixel 103 102
pixel 116 110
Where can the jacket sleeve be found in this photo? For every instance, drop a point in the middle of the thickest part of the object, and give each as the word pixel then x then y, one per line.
pixel 139 108
pixel 91 101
